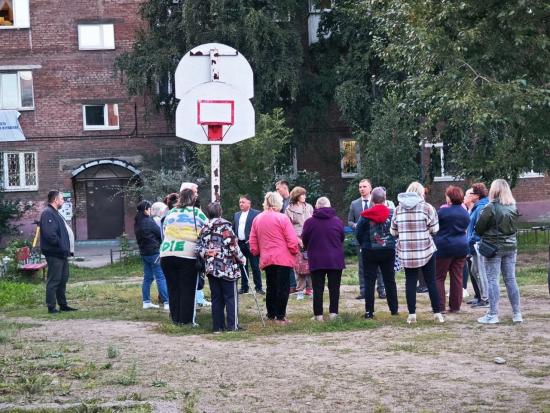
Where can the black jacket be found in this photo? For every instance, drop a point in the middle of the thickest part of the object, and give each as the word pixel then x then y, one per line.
pixel 147 235
pixel 54 238
pixel 497 224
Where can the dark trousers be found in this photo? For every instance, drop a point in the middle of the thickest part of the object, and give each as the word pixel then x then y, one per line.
pixel 318 281
pixel 276 295
pixel 375 261
pixel 454 266
pixel 56 284
pixel 224 297
pixel 254 264
pixel 361 274
pixel 411 275
pixel 181 279
pixel 465 274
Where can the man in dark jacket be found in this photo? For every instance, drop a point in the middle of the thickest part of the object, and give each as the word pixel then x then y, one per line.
pixel 242 224
pixel 377 250
pixel 55 245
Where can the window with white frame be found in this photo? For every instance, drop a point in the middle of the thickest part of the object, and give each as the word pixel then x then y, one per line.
pixel 19 172
pixel 14 14
pixel 100 117
pixel 96 36
pixel 316 7
pixel 16 91
pixel 437 163
pixel 349 158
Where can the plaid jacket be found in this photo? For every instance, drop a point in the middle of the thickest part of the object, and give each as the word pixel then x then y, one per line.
pixel 414 227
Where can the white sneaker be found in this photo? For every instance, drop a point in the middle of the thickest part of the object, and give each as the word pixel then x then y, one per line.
pixel 300 296
pixel 149 305
pixel 488 319
pixel 438 318
pixel 411 319
pixel 517 318
pixel 333 316
pixel 317 318
pixel 465 293
pixel 166 307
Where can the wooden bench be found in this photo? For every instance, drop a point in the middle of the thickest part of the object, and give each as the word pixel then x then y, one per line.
pixel 23 257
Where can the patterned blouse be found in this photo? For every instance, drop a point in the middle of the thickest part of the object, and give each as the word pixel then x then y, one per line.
pixel 218 234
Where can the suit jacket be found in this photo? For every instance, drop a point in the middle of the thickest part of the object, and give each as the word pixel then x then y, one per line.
pixel 355 209
pixel 252 213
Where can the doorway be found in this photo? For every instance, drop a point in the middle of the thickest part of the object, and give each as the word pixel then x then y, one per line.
pixel 105 207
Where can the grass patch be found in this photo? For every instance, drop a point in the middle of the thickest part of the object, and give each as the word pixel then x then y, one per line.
pixel 16 294
pixel 532 276
pixel 133 268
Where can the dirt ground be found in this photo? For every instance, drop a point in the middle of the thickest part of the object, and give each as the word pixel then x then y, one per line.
pixel 392 368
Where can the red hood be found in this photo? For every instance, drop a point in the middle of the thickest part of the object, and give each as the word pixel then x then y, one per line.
pixel 378 213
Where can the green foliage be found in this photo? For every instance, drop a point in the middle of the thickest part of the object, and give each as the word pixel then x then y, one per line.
pixel 10 210
pixel 262 31
pixel 247 167
pixel 16 294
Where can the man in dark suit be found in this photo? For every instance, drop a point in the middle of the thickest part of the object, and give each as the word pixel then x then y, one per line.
pixel 355 209
pixel 242 223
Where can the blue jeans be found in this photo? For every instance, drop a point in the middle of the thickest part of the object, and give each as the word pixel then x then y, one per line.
pixel 504 262
pixel 152 271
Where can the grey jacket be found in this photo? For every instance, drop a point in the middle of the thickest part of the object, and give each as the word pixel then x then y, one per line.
pixel 355 209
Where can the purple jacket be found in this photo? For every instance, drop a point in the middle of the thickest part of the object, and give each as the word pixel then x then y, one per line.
pixel 323 238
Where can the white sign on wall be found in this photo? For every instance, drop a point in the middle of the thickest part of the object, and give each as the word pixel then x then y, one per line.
pixel 10 130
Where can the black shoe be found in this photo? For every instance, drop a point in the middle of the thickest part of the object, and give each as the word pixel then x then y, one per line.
pixel 243 291
pixel 369 316
pixel 473 301
pixel 260 291
pixel 395 313
pixel 382 295
pixel 481 304
pixel 360 297
pixel 67 308
pixel 421 290
pixel 53 310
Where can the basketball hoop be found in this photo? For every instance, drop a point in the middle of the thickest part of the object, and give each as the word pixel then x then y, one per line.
pixel 215 114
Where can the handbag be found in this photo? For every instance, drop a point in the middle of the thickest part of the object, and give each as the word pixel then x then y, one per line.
pixel 487 249
pixel 302 264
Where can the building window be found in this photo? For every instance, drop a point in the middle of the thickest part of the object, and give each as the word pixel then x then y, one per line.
pixel 349 158
pixel 437 163
pixel 19 171
pixel 16 90
pixel 316 7
pixel 96 36
pixel 100 117
pixel 14 14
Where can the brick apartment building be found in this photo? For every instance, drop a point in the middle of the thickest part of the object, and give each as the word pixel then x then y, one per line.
pixel 81 133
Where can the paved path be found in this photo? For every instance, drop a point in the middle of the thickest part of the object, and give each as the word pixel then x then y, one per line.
pixel 94 254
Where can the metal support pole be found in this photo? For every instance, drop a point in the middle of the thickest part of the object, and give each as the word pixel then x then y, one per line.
pixel 215 172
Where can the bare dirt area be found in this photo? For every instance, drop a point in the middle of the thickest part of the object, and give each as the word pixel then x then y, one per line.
pixel 390 368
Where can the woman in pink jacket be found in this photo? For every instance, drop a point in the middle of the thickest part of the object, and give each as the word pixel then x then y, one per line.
pixel 273 238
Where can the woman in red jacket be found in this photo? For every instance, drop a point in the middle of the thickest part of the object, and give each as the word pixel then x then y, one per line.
pixel 274 240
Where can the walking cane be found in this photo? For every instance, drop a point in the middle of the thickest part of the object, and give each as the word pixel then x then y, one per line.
pixel 255 297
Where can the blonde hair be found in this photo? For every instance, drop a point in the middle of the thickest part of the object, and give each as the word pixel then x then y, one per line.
pixel 417 188
pixel 159 209
pixel 273 200
pixel 323 202
pixel 501 190
pixel 295 194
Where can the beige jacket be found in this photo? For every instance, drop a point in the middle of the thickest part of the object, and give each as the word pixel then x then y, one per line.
pixel 298 214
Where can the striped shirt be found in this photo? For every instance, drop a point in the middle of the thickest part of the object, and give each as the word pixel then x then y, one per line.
pixel 414 226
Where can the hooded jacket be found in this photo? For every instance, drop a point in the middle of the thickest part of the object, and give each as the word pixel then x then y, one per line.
pixel 373 228
pixel 218 234
pixel 413 223
pixel 497 224
pixel 473 237
pixel 323 238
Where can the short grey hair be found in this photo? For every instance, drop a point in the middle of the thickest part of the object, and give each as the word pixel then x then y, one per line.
pixel 322 202
pixel 159 209
pixel 273 200
pixel 378 195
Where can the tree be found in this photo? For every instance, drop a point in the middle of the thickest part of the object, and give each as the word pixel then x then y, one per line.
pixel 473 74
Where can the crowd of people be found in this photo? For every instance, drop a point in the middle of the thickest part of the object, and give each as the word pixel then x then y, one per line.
pixel 300 247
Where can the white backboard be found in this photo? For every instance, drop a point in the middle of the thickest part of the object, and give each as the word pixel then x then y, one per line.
pixel 207 97
pixel 194 69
